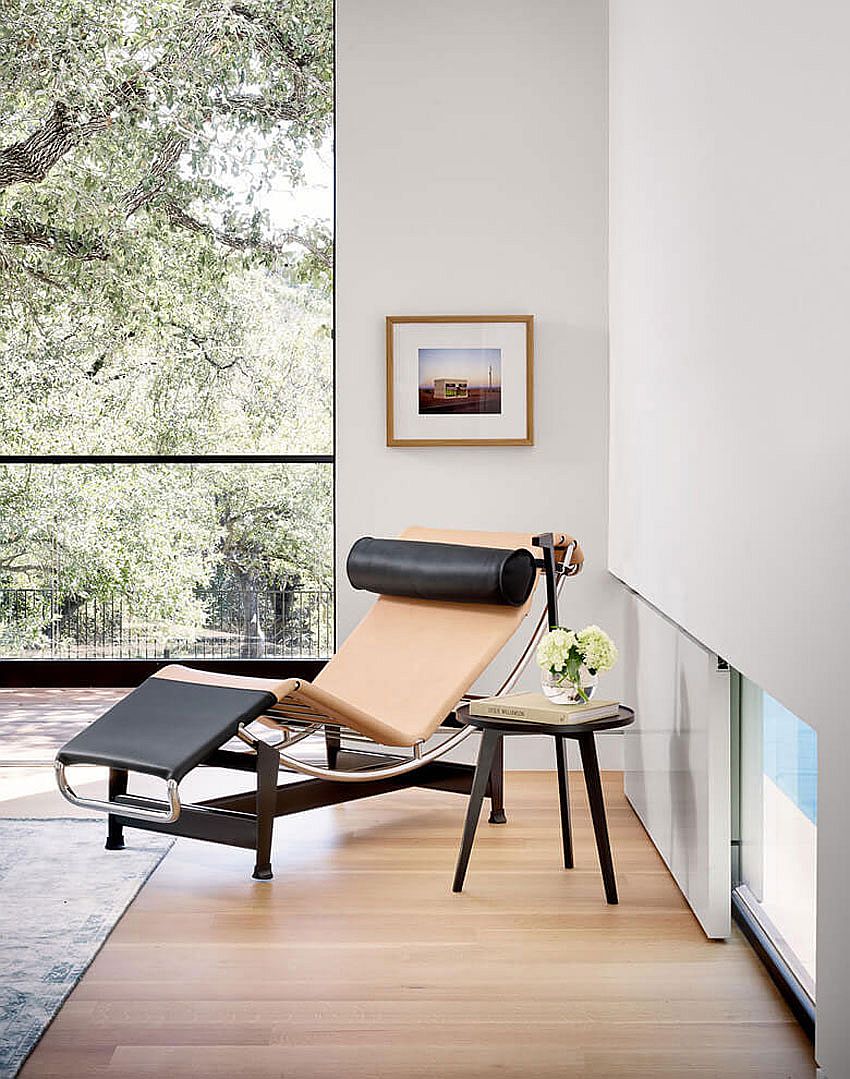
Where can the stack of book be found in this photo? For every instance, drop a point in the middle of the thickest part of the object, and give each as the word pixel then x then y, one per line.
pixel 535 708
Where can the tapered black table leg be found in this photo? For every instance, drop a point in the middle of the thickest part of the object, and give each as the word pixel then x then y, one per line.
pixel 268 763
pixel 593 781
pixel 489 742
pixel 497 784
pixel 117 787
pixel 564 799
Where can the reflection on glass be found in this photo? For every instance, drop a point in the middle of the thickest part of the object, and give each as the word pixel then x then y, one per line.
pixel 205 561
pixel 779 827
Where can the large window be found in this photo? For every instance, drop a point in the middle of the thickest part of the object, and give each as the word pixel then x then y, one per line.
pixel 166 434
pixel 777 829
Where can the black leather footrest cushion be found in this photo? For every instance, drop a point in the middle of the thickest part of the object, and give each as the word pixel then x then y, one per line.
pixel 165 727
pixel 451 572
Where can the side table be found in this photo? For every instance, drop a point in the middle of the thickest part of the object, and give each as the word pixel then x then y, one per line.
pixel 493 731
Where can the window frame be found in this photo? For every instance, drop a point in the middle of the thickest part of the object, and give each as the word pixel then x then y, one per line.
pixel 38 673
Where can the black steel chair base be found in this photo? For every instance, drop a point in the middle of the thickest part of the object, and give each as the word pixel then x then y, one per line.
pixel 247 819
pixel 497 817
pixel 117 787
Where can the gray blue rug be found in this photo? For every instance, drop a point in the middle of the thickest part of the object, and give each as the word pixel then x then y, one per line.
pixel 61 894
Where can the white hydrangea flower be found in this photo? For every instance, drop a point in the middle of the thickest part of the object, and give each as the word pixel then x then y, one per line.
pixel 554 648
pixel 600 652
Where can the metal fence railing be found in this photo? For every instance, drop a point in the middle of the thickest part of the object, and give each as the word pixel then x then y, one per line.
pixel 225 624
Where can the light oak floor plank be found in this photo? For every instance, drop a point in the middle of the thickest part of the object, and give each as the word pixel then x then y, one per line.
pixel 357 962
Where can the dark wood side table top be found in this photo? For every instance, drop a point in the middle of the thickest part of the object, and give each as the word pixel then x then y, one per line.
pixel 625 716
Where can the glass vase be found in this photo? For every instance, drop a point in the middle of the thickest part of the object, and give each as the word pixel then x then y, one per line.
pixel 560 690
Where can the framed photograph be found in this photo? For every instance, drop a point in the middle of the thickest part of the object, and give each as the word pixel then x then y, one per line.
pixel 460 380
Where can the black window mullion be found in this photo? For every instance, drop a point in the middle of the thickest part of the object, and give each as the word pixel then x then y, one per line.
pixel 172 459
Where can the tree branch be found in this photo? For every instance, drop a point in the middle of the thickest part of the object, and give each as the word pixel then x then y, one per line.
pixel 153 184
pixel 201 344
pixel 7 564
pixel 87 249
pixel 288 108
pixel 274 44
pixel 20 233
pixel 274 40
pixel 30 160
pixel 324 255
pixel 179 218
pixel 10 266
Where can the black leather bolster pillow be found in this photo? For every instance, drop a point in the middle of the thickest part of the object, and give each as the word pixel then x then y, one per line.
pixel 450 572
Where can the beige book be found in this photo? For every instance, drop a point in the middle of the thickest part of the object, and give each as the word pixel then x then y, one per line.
pixel 535 708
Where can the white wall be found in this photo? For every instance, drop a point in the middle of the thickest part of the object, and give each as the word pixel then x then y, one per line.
pixel 472 178
pixel 730 450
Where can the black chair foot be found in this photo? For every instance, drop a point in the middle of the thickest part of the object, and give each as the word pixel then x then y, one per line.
pixel 497 817
pixel 114 844
pixel 262 872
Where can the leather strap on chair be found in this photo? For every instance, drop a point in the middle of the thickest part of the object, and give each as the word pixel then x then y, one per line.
pixel 562 545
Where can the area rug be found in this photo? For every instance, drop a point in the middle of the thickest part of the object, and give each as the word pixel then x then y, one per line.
pixel 61 895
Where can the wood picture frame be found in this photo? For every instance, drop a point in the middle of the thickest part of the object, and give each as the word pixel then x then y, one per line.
pixel 424 409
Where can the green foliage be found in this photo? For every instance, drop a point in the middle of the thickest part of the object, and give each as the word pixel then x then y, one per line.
pixel 150 300
pixel 152 532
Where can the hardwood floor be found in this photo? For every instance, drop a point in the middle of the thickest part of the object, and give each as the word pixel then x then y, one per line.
pixel 34 723
pixel 357 962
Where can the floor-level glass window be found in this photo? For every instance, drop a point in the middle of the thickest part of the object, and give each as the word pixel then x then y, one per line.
pixel 778 827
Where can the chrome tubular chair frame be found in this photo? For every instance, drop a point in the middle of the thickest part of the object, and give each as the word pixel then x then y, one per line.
pixel 168 815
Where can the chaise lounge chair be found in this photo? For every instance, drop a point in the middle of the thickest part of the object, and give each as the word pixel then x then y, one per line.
pixel 447 604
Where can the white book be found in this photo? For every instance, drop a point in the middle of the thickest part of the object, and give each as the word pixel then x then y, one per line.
pixel 536 708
